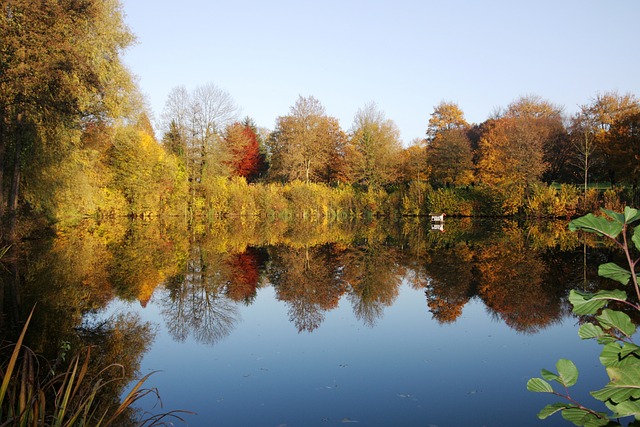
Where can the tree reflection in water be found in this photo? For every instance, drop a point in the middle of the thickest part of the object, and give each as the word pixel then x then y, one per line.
pixel 512 283
pixel 194 303
pixel 449 281
pixel 309 280
pixel 372 273
pixel 200 275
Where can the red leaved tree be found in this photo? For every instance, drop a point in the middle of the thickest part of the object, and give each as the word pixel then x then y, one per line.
pixel 246 159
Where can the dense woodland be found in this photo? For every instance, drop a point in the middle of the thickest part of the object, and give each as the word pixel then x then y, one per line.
pixel 76 140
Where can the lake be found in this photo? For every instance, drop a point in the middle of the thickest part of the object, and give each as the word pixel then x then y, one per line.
pixel 313 323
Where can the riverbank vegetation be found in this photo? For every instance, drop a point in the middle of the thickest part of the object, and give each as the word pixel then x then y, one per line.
pixel 76 140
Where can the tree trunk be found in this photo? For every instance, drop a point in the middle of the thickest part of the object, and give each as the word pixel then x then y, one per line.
pixel 14 190
pixel 3 149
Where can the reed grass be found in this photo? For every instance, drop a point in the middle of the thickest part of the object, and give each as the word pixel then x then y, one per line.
pixel 69 398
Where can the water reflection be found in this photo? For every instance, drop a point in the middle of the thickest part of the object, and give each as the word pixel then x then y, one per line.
pixel 296 274
pixel 201 277
pixel 521 273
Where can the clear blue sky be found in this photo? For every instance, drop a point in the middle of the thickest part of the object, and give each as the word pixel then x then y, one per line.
pixel 406 56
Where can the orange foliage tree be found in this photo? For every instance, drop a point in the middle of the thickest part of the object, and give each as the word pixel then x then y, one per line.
pixel 616 120
pixel 245 158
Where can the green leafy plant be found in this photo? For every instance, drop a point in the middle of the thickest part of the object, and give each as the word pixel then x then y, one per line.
pixel 613 329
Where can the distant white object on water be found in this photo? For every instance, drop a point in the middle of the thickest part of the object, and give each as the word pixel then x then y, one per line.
pixel 437 217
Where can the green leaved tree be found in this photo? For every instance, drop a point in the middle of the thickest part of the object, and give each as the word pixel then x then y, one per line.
pixel 60 70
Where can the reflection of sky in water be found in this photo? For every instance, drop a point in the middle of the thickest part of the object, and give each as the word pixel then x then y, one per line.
pixel 408 370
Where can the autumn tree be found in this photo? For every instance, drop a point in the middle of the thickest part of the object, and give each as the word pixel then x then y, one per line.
pixel 545 121
pixel 446 116
pixel 60 68
pixel 142 171
pixel 449 153
pixel 509 162
pixel 194 123
pixel 450 157
pixel 306 144
pixel 515 148
pixel 375 148
pixel 413 161
pixel 532 107
pixel 623 148
pixel 615 118
pixel 245 158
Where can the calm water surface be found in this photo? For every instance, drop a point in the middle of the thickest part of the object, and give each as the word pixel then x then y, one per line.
pixel 407 370
pixel 386 325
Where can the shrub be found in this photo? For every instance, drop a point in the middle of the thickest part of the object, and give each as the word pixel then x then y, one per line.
pixel 547 201
pixel 450 202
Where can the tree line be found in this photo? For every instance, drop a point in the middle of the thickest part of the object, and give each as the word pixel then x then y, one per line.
pixel 76 140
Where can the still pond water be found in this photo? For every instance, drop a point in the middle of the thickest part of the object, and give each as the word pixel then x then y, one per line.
pixel 315 324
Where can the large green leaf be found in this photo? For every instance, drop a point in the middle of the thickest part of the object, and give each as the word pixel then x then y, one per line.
pixel 616 216
pixel 617 355
pixel 624 409
pixel 631 215
pixel 587 303
pixel 538 385
pixel 596 224
pixel 591 331
pixel 549 376
pixel 580 417
pixel 630 349
pixel 549 410
pixel 617 320
pixel 567 372
pixel 636 237
pixel 613 271
pixel 624 385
